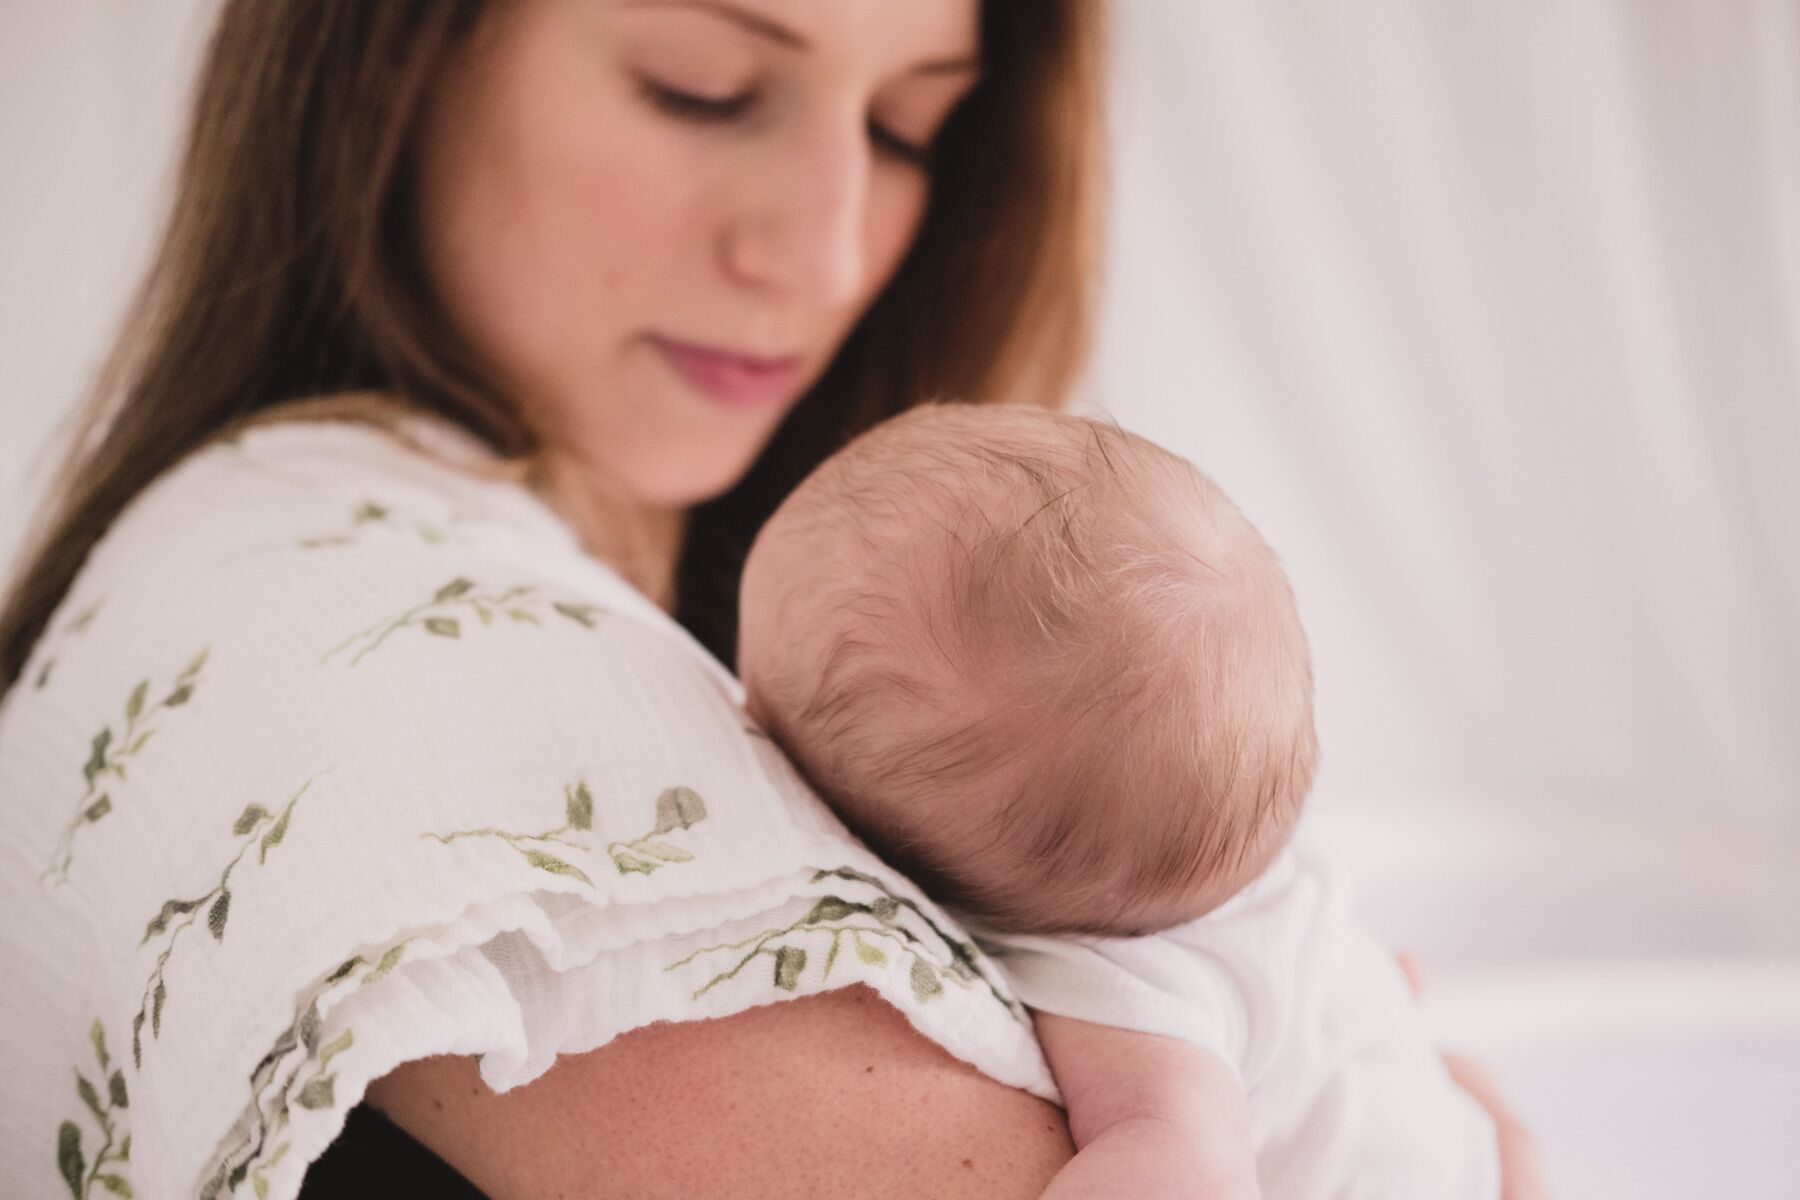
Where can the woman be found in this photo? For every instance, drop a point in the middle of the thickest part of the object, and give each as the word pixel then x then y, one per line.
pixel 612 275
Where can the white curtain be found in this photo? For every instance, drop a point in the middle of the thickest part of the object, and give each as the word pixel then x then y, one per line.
pixel 92 98
pixel 1489 316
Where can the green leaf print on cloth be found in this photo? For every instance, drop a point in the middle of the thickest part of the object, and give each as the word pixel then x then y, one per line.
pixel 109 1159
pixel 438 615
pixel 875 926
pixel 294 1073
pixel 258 827
pixel 676 808
pixel 77 626
pixel 108 755
pixel 371 514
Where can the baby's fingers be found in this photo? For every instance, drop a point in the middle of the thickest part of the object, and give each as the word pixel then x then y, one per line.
pixel 1415 975
pixel 1521 1171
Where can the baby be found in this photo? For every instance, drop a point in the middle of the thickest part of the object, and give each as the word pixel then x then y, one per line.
pixel 1051 672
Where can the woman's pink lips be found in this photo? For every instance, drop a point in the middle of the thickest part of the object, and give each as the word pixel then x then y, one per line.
pixel 729 378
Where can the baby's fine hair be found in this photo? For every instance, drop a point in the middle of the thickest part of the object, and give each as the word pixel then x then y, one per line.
pixel 1061 680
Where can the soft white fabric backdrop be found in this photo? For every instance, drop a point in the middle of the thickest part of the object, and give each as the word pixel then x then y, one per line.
pixel 1489 315
pixel 91 104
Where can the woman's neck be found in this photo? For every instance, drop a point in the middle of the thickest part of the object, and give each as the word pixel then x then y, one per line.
pixel 641 542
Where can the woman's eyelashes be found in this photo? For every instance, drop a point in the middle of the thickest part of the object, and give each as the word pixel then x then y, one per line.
pixel 919 154
pixel 703 109
pixel 693 106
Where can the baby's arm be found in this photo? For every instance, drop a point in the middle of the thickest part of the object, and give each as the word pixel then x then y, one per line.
pixel 1152 1116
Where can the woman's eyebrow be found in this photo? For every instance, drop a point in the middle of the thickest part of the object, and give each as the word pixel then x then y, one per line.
pixel 754 22
pixel 780 34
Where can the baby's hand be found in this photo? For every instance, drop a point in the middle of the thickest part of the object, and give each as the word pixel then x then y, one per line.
pixel 1152 1117
pixel 1521 1170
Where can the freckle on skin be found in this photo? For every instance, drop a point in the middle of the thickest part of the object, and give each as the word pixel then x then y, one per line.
pixel 968 1163
pixel 437 1103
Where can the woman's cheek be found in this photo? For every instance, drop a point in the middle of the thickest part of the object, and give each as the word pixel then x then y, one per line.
pixel 629 218
pixel 897 206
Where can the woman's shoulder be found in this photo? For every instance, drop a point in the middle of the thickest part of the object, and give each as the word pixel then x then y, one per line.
pixel 333 598
pixel 380 599
pixel 291 531
pixel 324 479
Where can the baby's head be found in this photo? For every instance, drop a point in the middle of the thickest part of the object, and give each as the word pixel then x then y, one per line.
pixel 1040 664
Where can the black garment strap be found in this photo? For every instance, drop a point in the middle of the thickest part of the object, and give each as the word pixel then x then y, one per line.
pixel 374 1159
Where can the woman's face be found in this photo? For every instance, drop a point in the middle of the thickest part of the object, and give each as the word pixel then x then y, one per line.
pixel 657 220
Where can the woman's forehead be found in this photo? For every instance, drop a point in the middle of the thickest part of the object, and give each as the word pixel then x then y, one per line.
pixel 933 36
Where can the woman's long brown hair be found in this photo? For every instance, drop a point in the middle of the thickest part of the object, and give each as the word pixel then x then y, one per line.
pixel 288 270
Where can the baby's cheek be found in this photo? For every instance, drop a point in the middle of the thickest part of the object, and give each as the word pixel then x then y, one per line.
pixel 758 643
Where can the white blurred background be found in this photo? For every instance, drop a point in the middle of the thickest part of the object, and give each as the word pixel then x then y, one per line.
pixel 1488 314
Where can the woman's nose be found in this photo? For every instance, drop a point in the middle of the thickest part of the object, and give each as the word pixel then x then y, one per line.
pixel 800 227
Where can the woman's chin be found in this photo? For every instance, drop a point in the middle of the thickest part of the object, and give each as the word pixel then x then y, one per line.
pixel 689 481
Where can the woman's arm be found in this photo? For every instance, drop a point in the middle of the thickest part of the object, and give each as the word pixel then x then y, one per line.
pixel 831 1094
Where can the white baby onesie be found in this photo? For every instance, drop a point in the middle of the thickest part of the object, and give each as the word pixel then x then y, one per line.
pixel 1348 1098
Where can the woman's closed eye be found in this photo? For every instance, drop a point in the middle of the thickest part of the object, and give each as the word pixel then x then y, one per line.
pixel 705 109
pixel 695 106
